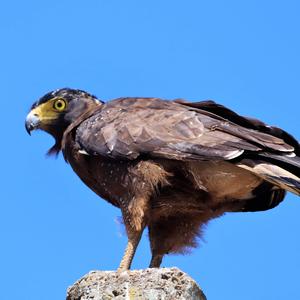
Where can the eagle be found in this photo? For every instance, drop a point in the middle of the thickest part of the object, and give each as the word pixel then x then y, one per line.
pixel 169 165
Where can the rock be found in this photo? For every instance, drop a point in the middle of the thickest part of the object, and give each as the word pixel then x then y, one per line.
pixel 148 284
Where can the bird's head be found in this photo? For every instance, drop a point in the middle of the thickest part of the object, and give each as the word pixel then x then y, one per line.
pixel 56 110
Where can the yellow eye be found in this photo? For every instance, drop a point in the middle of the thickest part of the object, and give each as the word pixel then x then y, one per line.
pixel 60 104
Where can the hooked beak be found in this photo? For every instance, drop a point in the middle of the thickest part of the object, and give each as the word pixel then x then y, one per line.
pixel 32 122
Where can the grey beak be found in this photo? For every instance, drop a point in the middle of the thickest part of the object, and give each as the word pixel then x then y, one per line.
pixel 32 122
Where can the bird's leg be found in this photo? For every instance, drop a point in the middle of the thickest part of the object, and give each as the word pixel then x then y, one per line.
pixel 157 248
pixel 144 178
pixel 133 241
pixel 135 220
pixel 156 260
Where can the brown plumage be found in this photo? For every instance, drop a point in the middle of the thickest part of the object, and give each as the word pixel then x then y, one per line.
pixel 170 166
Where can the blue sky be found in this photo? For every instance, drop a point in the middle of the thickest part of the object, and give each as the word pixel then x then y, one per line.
pixel 243 54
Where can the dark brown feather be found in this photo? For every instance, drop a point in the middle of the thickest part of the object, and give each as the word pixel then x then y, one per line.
pixel 128 135
pixel 172 166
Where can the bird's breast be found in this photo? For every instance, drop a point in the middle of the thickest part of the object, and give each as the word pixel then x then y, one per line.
pixel 101 175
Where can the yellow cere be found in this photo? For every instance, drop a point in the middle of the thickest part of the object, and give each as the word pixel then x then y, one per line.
pixel 49 111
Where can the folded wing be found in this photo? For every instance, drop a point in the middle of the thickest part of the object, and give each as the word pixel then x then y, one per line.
pixel 129 128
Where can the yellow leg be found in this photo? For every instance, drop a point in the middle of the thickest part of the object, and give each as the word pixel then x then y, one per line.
pixel 133 241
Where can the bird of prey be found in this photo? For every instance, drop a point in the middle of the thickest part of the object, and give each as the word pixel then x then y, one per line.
pixel 170 166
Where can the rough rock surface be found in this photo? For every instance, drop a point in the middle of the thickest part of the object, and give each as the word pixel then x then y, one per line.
pixel 149 284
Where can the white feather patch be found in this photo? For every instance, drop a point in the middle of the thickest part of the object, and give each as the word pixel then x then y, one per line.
pixel 83 152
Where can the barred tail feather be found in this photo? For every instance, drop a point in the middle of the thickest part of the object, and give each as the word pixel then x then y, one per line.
pixel 275 174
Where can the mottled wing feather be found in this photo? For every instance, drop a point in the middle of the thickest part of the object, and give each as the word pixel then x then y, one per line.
pixel 221 111
pixel 129 127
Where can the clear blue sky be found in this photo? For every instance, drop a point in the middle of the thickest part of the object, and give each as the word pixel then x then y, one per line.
pixel 243 54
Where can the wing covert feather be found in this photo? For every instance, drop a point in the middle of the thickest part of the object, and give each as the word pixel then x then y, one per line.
pixel 129 127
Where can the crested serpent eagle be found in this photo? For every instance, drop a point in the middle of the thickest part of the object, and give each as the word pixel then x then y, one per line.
pixel 170 166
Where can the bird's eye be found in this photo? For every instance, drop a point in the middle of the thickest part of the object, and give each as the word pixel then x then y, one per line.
pixel 60 104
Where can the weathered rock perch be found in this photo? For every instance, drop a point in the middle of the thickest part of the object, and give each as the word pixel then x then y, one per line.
pixel 149 284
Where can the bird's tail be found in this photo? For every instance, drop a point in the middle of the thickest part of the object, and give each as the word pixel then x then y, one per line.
pixel 281 171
